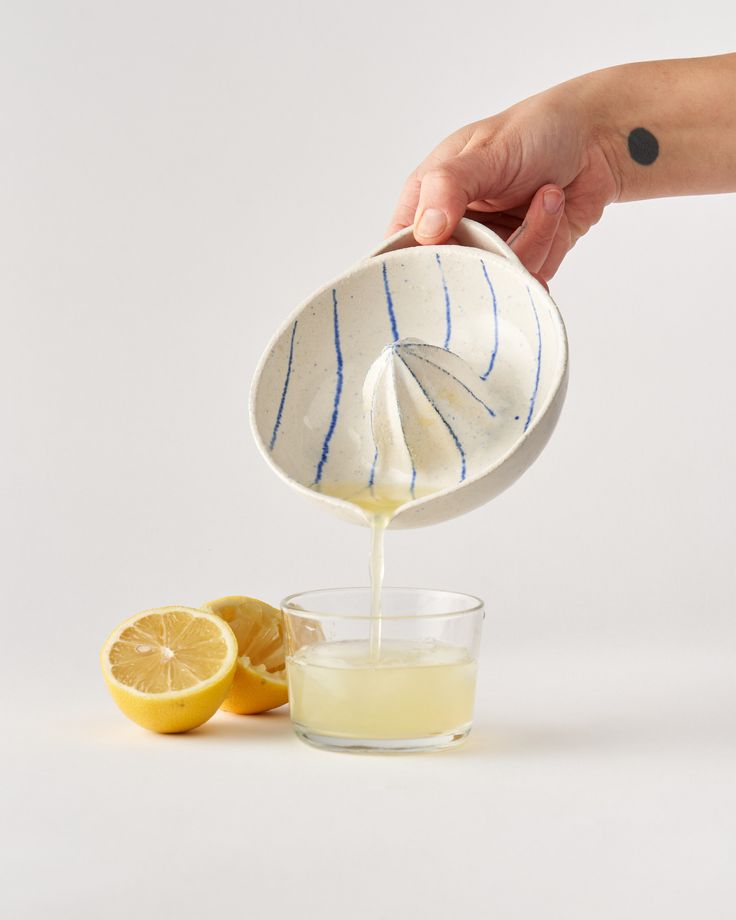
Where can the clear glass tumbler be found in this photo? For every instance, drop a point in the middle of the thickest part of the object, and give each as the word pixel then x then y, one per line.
pixel 402 681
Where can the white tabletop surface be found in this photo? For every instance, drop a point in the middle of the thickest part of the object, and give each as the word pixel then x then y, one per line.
pixel 596 783
pixel 174 178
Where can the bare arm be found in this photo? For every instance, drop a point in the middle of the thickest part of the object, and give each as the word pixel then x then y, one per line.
pixel 542 172
pixel 687 106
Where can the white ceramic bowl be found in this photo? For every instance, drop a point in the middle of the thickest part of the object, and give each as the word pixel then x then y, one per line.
pixel 476 299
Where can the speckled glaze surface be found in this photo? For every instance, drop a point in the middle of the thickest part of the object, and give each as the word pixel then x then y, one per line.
pixel 476 300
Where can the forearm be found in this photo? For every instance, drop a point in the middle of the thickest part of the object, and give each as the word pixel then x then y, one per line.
pixel 688 110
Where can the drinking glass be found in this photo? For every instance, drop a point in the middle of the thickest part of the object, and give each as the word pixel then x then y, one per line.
pixel 401 681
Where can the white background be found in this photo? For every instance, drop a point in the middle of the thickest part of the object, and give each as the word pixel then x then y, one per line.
pixel 174 178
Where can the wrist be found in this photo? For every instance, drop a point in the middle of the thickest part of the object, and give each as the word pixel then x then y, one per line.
pixel 627 126
pixel 665 127
pixel 598 119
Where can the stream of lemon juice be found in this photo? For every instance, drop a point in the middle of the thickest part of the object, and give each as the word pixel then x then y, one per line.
pixel 379 508
pixel 381 688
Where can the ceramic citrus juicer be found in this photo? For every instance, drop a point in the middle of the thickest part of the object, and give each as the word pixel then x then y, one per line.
pixel 431 374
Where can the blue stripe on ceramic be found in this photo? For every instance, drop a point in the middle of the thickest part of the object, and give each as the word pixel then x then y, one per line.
pixel 338 394
pixel 448 314
pixel 390 305
pixel 495 323
pixel 280 412
pixel 372 477
pixel 533 398
pixel 410 345
pixel 413 480
pixel 412 484
pixel 442 419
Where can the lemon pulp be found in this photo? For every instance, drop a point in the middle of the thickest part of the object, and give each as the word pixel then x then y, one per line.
pixel 260 678
pixel 169 669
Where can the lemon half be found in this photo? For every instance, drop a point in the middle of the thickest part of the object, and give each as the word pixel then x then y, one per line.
pixel 260 679
pixel 170 668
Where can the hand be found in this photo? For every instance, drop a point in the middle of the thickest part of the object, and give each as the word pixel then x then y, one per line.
pixel 538 174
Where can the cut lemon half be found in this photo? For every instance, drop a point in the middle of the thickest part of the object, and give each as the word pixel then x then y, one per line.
pixel 260 678
pixel 169 669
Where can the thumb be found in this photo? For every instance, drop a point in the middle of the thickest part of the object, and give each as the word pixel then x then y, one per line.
pixel 445 192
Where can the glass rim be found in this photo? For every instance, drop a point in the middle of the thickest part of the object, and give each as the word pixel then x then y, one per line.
pixel 476 605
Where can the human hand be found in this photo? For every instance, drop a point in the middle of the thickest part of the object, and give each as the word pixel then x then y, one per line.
pixel 538 174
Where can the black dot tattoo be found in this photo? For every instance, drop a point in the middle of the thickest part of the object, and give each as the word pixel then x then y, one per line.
pixel 643 146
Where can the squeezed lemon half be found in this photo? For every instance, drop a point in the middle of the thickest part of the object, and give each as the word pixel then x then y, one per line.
pixel 260 676
pixel 169 669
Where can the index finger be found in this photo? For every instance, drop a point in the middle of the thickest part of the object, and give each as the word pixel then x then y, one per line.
pixel 406 208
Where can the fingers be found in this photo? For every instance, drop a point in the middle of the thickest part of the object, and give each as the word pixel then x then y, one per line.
pixel 502 223
pixel 450 148
pixel 436 202
pixel 444 195
pixel 560 248
pixel 406 208
pixel 534 239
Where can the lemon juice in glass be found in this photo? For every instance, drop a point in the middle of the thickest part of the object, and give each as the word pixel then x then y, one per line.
pixel 412 691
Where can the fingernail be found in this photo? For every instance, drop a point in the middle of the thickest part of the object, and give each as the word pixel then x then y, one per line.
pixel 431 223
pixel 552 200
